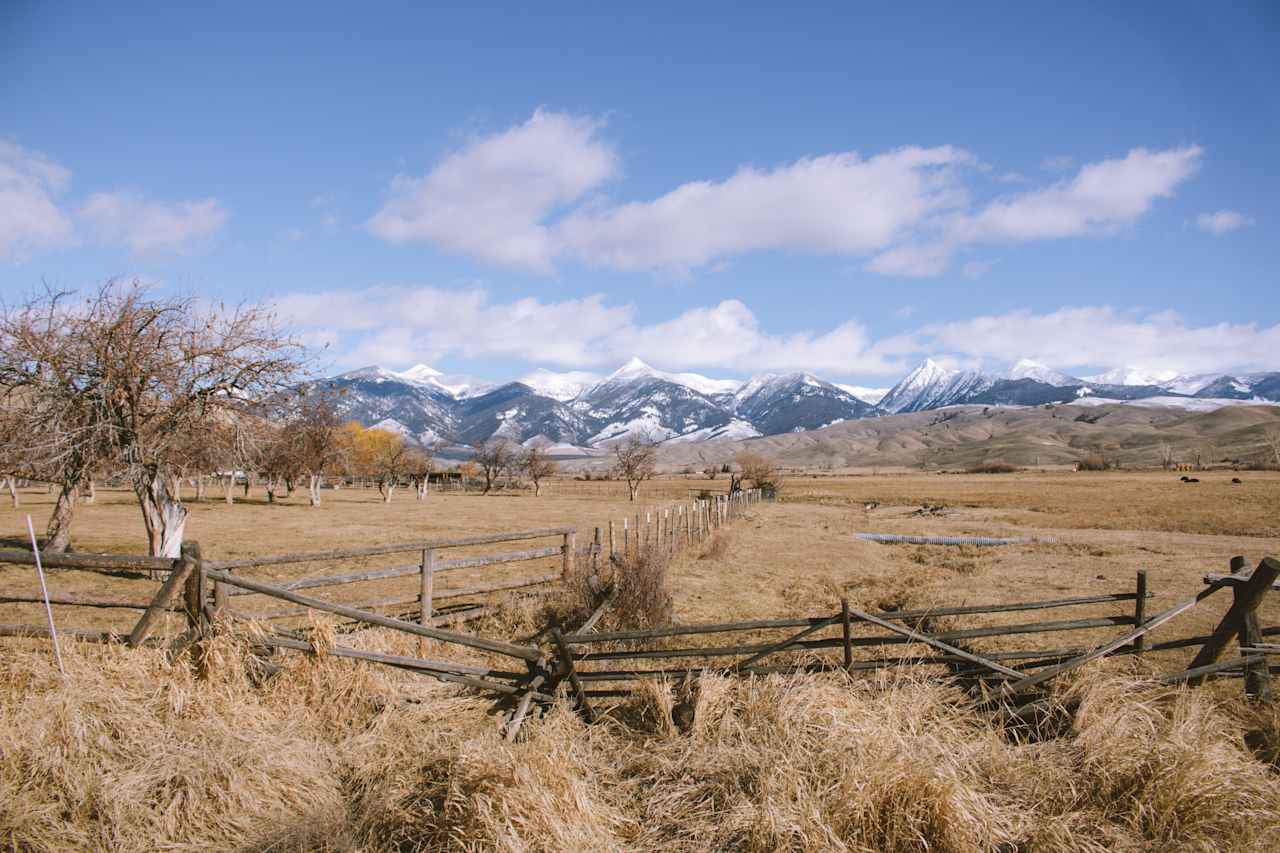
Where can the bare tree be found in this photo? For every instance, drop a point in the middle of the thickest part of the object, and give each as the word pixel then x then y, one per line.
pixel 493 455
pixel 1167 458
pixel 758 470
pixel 388 455
pixel 1270 440
pixel 636 458
pixel 315 440
pixel 538 466
pixel 418 462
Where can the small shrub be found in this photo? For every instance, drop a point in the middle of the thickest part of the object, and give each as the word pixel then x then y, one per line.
pixel 995 466
pixel 636 585
pixel 1093 462
pixel 716 546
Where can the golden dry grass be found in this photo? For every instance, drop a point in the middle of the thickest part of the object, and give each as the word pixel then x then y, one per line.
pixel 135 753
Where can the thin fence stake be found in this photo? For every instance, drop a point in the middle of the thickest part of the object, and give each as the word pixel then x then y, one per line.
pixel 44 591
pixel 848 632
pixel 1140 611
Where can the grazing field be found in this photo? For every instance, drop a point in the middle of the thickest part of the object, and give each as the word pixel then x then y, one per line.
pixel 135 753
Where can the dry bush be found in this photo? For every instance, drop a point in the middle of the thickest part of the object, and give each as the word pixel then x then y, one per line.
pixel 1094 462
pixel 716 547
pixel 636 587
pixel 996 466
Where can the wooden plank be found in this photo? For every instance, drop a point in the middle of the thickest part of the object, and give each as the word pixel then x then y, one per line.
pixel 1247 596
pixel 787 643
pixel 567 557
pixel 1231 580
pixel 896 616
pixel 86 636
pixel 517 718
pixel 765 624
pixel 495 646
pixel 1109 647
pixel 376 550
pixel 389 572
pixel 75 599
pixel 1197 674
pixel 182 569
pixel 88 562
pixel 917 637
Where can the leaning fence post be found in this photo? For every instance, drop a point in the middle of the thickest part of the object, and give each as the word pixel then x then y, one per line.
pixel 427 591
pixel 1248 594
pixel 182 568
pixel 1257 676
pixel 1140 611
pixel 570 542
pixel 563 649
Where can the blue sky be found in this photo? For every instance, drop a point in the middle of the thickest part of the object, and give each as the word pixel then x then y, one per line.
pixel 728 189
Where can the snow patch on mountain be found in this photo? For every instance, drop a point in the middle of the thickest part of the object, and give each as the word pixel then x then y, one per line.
pixel 1189 404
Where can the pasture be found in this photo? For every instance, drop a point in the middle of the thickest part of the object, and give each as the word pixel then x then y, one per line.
pixel 135 752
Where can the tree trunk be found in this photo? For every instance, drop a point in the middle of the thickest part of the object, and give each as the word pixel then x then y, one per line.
pixel 58 533
pixel 632 489
pixel 162 512
pixel 13 491
pixel 537 488
pixel 271 490
pixel 313 486
pixel 421 487
pixel 200 488
pixel 92 492
pixel 288 488
pixel 228 489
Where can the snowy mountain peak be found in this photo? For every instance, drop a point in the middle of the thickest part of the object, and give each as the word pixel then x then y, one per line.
pixel 559 386
pixel 931 386
pixel 420 373
pixel 1133 376
pixel 634 367
pixel 1028 369
pixel 638 369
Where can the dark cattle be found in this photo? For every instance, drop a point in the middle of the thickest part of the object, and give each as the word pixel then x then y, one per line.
pixel 1185 478
pixel 1237 481
pixel 1190 480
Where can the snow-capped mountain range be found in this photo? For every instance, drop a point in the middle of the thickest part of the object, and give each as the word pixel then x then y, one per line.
pixel 578 409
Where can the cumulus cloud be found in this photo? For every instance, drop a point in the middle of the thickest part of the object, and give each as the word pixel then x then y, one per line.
pixel 837 204
pixel 150 227
pixel 1103 336
pixel 490 199
pixel 404 325
pixel 398 326
pixel 529 197
pixel 1222 222
pixel 30 218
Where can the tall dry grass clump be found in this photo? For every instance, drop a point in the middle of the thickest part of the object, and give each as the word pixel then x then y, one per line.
pixel 135 753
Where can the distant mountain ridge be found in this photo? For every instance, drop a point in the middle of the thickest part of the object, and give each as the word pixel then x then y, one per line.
pixel 578 409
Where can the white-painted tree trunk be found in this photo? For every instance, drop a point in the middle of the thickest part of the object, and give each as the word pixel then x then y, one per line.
pixel 91 492
pixel 162 512
pixel 13 491
pixel 228 489
pixel 313 488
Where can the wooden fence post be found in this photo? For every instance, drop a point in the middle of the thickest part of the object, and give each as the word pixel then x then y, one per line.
pixel 427 590
pixel 1140 611
pixel 182 568
pixel 595 553
pixel 1257 676
pixel 194 593
pixel 583 705
pixel 1248 594
pixel 570 542
pixel 611 540
pixel 848 633
pixel 626 538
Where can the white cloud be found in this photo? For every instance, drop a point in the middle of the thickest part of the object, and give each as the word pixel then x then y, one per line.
pixel 490 199
pixel 149 227
pixel 837 204
pixel 1223 221
pixel 30 219
pixel 524 198
pixel 1102 336
pixel 397 326
pixel 404 325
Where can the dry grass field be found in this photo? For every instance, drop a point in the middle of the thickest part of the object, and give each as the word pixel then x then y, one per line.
pixel 134 753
